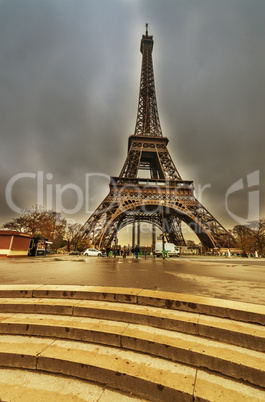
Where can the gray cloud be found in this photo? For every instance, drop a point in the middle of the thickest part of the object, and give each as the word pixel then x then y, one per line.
pixel 69 81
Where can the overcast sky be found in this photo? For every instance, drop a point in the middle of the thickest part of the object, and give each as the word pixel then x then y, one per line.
pixel 69 85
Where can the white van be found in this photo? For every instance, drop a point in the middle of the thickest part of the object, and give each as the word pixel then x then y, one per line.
pixel 172 250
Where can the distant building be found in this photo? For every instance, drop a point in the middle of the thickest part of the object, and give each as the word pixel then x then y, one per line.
pixel 14 244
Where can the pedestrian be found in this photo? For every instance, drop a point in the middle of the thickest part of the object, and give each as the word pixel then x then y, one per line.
pixel 124 253
pixel 136 251
pixel 107 251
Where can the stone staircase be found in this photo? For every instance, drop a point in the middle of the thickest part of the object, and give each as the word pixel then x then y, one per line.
pixel 84 343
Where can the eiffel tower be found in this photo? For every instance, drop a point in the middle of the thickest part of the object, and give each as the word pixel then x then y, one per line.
pixel 163 199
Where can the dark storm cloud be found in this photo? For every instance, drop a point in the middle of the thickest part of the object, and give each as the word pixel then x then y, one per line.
pixel 211 93
pixel 69 81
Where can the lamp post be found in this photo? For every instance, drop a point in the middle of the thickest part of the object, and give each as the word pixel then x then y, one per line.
pixel 115 244
pixel 163 227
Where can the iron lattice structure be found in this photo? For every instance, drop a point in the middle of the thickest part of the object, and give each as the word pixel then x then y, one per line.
pixel 134 199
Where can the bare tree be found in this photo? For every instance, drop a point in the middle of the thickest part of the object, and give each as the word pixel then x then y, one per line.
pixel 75 238
pixel 258 230
pixel 45 224
pixel 243 237
pixel 250 237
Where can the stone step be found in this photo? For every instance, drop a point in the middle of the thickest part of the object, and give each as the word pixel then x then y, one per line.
pixel 147 377
pixel 232 361
pixel 246 312
pixel 32 385
pixel 251 336
pixel 155 345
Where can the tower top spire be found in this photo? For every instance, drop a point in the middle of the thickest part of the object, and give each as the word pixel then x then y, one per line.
pixel 147 122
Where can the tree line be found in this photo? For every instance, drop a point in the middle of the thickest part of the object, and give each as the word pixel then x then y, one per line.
pixel 250 237
pixel 49 225
pixel 52 226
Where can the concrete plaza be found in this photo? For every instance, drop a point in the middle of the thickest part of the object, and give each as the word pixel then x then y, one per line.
pixel 236 279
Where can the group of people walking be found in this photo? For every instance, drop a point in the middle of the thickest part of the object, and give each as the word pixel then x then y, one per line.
pixel 124 252
pixel 136 251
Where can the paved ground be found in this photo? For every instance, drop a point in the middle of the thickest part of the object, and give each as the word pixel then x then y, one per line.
pixel 226 278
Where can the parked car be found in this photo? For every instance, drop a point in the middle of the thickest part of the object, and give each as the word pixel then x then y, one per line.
pixel 92 252
pixel 75 253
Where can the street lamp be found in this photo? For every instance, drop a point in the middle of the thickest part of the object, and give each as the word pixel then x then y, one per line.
pixel 115 244
pixel 163 226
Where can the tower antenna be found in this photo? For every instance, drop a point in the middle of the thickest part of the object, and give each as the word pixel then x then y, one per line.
pixel 146 29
